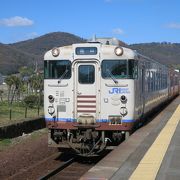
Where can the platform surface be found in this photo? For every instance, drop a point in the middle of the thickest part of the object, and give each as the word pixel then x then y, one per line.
pixel 152 152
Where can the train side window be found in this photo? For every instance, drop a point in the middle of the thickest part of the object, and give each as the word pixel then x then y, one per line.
pixel 166 80
pixel 176 80
pixel 171 80
pixel 149 81
pixel 160 80
pixel 157 81
pixel 133 68
pixel 154 81
pixel 159 77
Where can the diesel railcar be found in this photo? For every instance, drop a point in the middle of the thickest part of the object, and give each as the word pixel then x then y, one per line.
pixel 95 93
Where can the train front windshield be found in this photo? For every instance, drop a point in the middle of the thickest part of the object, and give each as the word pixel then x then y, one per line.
pixel 57 69
pixel 119 69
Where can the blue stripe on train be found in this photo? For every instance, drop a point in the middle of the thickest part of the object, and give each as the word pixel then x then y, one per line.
pixel 123 120
pixel 128 120
pixel 98 120
pixel 61 119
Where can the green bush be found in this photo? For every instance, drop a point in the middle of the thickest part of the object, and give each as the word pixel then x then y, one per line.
pixel 31 101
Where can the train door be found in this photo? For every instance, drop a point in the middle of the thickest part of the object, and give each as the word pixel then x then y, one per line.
pixel 86 93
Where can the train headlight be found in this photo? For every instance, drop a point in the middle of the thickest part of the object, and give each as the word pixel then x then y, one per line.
pixel 118 51
pixel 55 52
pixel 123 99
pixel 51 98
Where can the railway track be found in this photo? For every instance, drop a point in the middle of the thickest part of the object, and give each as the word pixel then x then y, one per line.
pixel 58 169
pixel 72 169
pixel 42 167
pixel 62 166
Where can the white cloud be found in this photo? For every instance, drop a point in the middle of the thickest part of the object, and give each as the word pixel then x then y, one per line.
pixel 118 31
pixel 174 25
pixel 16 21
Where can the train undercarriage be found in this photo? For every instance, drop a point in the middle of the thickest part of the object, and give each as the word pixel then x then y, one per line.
pixel 86 141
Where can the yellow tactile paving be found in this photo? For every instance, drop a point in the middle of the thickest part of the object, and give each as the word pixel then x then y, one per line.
pixel 151 162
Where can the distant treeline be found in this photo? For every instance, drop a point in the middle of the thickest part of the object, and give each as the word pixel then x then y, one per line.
pixel 165 52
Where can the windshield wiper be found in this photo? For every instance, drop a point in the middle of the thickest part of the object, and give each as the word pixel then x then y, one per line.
pixel 112 77
pixel 62 76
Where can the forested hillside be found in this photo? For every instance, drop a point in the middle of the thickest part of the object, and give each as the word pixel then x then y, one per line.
pixel 30 52
pixel 165 53
pixel 12 59
pixel 40 45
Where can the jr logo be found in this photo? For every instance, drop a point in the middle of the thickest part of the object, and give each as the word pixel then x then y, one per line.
pixel 119 91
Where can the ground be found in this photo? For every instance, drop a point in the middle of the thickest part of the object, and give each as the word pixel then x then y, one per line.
pixel 22 152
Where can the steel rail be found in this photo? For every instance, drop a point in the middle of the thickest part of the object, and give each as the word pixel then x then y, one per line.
pixel 58 169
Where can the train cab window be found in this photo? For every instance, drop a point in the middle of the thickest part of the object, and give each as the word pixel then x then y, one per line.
pixel 115 68
pixel 56 69
pixel 119 69
pixel 86 74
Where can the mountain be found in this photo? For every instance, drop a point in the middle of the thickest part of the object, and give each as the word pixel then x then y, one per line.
pixel 30 52
pixel 40 45
pixel 166 53
pixel 12 59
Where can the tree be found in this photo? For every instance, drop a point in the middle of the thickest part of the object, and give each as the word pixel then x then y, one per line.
pixel 14 83
pixel 9 82
pixel 36 83
pixel 25 71
pixel 25 74
pixel 31 101
pixel 1 94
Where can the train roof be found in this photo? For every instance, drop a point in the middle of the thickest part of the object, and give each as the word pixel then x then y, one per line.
pixel 66 51
pixel 106 46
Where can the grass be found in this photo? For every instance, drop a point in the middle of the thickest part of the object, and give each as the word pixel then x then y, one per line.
pixel 4 143
pixel 17 113
pixel 38 133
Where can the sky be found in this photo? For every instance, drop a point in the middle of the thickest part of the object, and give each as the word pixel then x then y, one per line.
pixel 132 21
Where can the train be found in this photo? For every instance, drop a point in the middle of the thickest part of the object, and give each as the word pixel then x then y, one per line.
pixel 96 92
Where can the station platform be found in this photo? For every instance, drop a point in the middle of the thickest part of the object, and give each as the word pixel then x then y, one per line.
pixel 152 152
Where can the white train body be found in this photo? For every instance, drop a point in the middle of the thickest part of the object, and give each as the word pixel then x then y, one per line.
pixel 101 90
